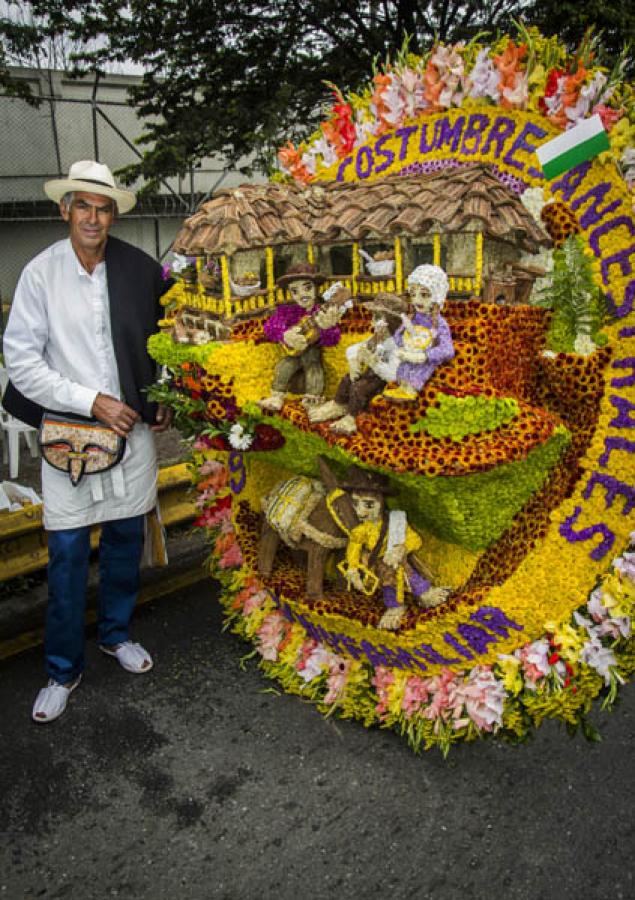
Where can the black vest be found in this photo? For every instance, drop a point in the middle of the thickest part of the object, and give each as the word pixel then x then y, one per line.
pixel 135 286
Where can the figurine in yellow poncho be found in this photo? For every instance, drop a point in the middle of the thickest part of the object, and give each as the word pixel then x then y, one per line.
pixel 379 549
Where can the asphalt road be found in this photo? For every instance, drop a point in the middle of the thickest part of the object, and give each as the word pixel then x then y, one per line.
pixel 198 781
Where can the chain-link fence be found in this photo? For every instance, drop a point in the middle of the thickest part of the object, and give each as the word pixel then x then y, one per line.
pixel 80 120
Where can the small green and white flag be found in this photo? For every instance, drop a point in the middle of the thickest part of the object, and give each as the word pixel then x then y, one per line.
pixel 582 142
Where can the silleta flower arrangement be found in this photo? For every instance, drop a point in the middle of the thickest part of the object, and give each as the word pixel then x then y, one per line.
pixel 457 561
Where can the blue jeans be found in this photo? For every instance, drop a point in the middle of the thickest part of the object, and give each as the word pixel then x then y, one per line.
pixel 120 549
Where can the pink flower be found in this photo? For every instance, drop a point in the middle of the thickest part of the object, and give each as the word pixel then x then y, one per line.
pixel 382 680
pixel 254 602
pixel 484 77
pixel 232 557
pixel 439 687
pixel 270 635
pixel 600 658
pixel 337 678
pixel 214 475
pixel 625 565
pixel 481 696
pixel 609 116
pixel 315 661
pixel 416 693
pixel 535 661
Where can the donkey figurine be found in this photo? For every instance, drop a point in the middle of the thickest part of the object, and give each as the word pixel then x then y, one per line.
pixel 309 515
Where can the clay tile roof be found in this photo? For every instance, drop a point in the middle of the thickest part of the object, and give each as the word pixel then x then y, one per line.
pixel 468 198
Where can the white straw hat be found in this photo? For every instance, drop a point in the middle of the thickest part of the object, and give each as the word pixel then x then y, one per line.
pixel 94 178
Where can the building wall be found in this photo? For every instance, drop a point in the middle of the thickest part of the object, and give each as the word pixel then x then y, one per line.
pixel 28 157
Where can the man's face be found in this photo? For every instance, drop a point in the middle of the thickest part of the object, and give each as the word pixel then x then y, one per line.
pixel 89 217
pixel 302 293
pixel 420 298
pixel 367 507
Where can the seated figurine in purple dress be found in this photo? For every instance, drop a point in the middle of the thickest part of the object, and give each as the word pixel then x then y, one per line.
pixel 424 340
pixel 302 328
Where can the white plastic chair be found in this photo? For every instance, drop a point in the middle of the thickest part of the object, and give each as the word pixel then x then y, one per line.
pixel 11 429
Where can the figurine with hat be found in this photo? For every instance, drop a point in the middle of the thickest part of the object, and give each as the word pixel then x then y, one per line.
pixel 382 549
pixel 372 363
pixel 424 340
pixel 302 328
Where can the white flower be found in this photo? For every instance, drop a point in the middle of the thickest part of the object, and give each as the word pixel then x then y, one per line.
pixel 179 263
pixel 584 345
pixel 239 438
pixel 484 77
pixel 317 662
pixel 533 199
pixel 600 658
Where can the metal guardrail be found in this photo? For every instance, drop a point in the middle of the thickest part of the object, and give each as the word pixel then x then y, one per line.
pixel 23 545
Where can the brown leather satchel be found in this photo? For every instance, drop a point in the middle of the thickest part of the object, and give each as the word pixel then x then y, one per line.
pixel 79 446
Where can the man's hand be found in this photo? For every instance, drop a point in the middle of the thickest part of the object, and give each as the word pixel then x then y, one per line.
pixel 165 414
pixel 115 414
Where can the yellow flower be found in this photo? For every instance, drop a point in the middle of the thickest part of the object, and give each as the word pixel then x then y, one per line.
pixel 618 595
pixel 567 639
pixel 512 679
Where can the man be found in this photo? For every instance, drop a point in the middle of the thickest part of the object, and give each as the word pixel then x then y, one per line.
pixel 76 343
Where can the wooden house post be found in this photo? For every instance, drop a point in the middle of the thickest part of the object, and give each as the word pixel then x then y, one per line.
pixel 436 249
pixel 271 286
pixel 355 272
pixel 478 266
pixel 398 266
pixel 227 291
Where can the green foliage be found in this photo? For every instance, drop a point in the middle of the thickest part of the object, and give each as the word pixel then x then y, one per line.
pixel 188 412
pixel 578 305
pixel 613 22
pixel 162 348
pixel 470 510
pixel 456 417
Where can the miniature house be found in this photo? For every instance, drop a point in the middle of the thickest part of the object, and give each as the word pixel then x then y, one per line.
pixel 463 219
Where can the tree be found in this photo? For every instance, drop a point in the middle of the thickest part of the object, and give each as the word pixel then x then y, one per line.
pixel 238 77
pixel 614 22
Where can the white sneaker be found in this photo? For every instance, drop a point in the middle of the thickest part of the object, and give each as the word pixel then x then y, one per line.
pixel 51 701
pixel 131 657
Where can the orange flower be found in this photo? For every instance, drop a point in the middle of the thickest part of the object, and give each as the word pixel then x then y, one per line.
pixel 291 160
pixel 381 82
pixel 433 86
pixel 508 62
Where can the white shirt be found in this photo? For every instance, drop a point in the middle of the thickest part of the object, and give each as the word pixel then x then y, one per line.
pixel 59 353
